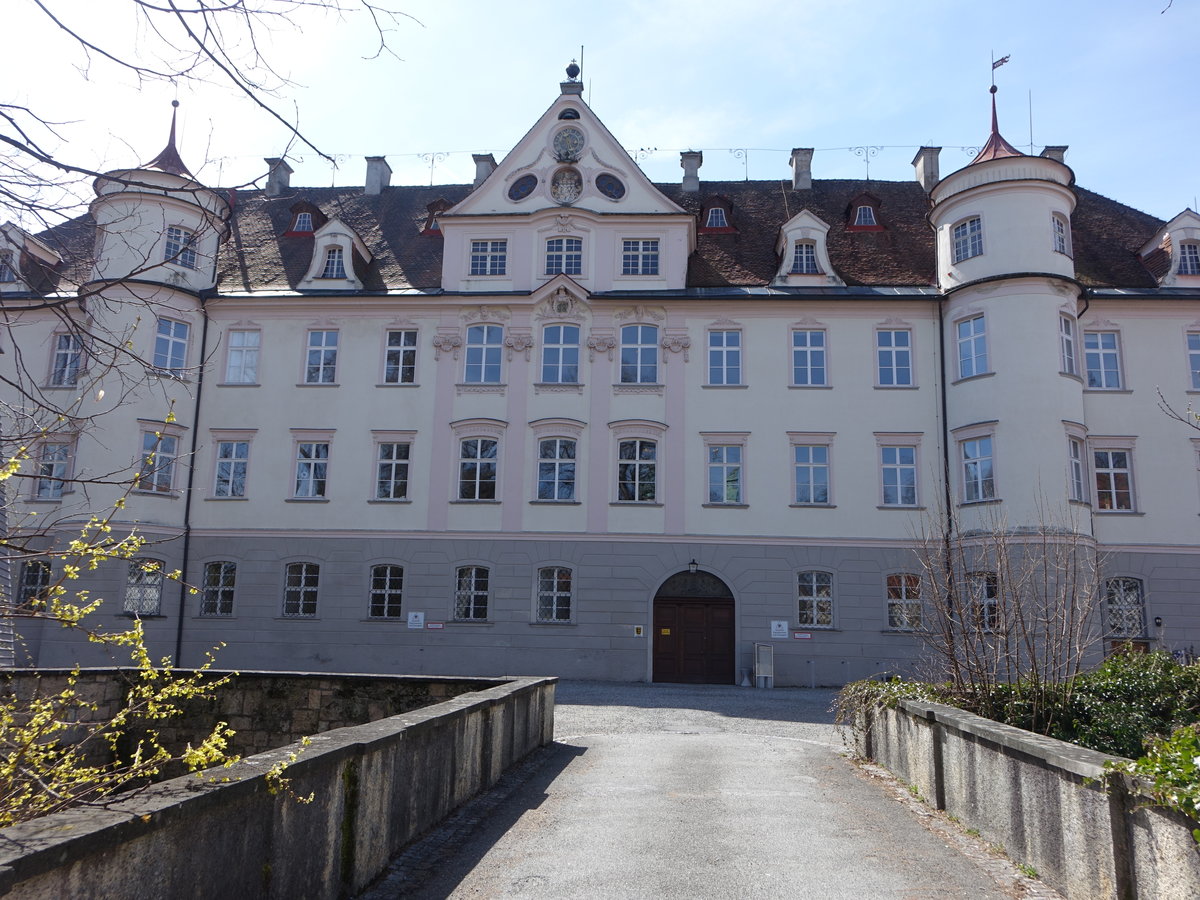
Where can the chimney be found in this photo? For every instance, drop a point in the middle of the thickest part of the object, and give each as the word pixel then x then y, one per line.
pixel 485 165
pixel 691 161
pixel 279 175
pixel 379 175
pixel 926 164
pixel 802 168
pixel 1056 152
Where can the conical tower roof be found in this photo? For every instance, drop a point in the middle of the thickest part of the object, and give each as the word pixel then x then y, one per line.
pixel 996 147
pixel 169 159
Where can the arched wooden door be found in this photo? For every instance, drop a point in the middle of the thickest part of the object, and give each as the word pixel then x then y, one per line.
pixel 694 630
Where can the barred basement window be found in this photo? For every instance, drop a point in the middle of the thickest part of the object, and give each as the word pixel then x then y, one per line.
pixel 554 594
pixel 904 602
pixel 1125 608
pixel 387 586
pixel 219 580
pixel 143 587
pixel 471 595
pixel 301 583
pixel 815 608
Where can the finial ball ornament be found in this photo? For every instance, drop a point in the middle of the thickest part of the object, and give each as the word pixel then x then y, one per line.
pixel 175 103
pixel 573 70
pixel 992 89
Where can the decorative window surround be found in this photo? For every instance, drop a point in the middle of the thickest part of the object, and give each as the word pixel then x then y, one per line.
pixel 1112 473
pixel 899 455
pixel 639 477
pixel 812 458
pixel 159 449
pixel 335 234
pixel 804 227
pixel 725 460
pixel 977 454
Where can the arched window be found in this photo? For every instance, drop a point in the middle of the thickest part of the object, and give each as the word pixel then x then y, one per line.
pixel 716 218
pixel 335 263
pixel 804 259
pixel 864 215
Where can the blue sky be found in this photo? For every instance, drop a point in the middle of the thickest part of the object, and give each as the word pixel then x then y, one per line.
pixel 1112 80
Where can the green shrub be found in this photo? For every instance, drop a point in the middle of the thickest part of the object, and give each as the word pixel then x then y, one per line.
pixel 1171 767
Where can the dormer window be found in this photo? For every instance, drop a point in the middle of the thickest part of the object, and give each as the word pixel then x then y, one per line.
pixel 335 265
pixel 864 215
pixel 803 253
pixel 433 210
pixel 716 218
pixel 1189 258
pixel 180 248
pixel 303 222
pixel 804 259
pixel 7 273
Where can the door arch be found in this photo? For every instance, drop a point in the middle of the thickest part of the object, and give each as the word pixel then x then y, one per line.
pixel 693 633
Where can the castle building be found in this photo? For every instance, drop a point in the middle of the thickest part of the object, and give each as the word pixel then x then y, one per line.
pixel 567 421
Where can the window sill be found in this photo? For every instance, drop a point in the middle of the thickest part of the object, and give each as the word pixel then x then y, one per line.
pixel 555 503
pixel 1096 390
pixel 973 377
pixel 724 387
pixel 1117 512
pixel 143 492
pixel 635 503
pixel 137 615
pixel 897 387
pixel 558 387
pixel 554 624
pixel 168 376
pixel 397 384
pixel 812 505
pixel 483 502
pixel 226 499
pixel 306 500
pixel 205 616
pixel 312 618
pixel 725 505
pixel 60 387
pixel 822 628
pixel 910 632
pixel 470 623
pixel 990 501
pixel 45 501
pixel 396 620
pixel 899 506
pixel 472 387
pixel 638 388
pixel 1074 376
pixel 810 387
pixel 390 500
pixel 317 384
pixel 239 384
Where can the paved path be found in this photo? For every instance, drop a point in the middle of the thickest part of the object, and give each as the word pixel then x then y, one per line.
pixel 654 791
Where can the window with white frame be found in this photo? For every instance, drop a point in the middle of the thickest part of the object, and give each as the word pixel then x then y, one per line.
pixel 233 462
pixel 978 479
pixel 8 274
pixel 485 346
pixel 904 601
pixel 899 474
pixel 1125 608
pixel 639 354
pixel 972 347
pixel 157 472
pixel 811 474
pixel 564 255
pixel 320 362
pixel 968 239
pixel 893 353
pixel 560 354
pixel 1113 470
pixel 387 588
pixel 477 468
pixel 312 469
pixel 217 589
pixel 639 257
pixel 170 347
pixel 554 594
pixel 808 358
pixel 143 587
pixel 53 467
pixel 804 258
pixel 304 222
pixel 400 357
pixel 724 357
pixel 716 218
pixel 864 215
pixel 180 247
pixel 301 587
pixel 1066 345
pixel 471 594
pixel 815 596
pixel 35 582
pixel 725 473
pixel 335 263
pixel 1193 347
pixel 1102 355
pixel 556 469
pixel 241 362
pixel 1076 477
pixel 1189 258
pixel 983 592
pixel 391 470
pixel 68 360
pixel 637 471
pixel 1062 234
pixel 489 257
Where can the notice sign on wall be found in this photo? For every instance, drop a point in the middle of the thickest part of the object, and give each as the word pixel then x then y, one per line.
pixel 779 629
pixel 416 620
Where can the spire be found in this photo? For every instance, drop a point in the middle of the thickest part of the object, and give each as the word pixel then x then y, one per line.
pixel 996 147
pixel 169 160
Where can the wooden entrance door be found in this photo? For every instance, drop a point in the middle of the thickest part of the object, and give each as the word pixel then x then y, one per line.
pixel 693 640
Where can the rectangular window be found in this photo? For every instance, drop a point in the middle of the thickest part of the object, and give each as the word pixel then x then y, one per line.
pixel 170 347
pixel 335 263
pixel 1066 345
pixel 894 355
pixel 485 344
pixel 560 354
pixel 1061 232
pixel 53 467
pixel 983 592
pixel 1114 479
pixel 724 357
pixel 968 239
pixel 1189 259
pixel 471 595
pixel 1102 353
pixel 477 469
pixel 972 347
pixel 564 255
pixel 904 602
pixel 554 594
pixel 391 471
pixel 639 354
pixel 68 360
pixel 978 481
pixel 815 608
pixel 639 257
pixel 804 259
pixel 320 364
pixel 143 587
pixel 216 597
pixel 241 365
pixel 302 582
pixel 387 587
pixel 489 257
pixel 637 471
pixel 1125 608
pixel 233 459
pixel 312 469
pixel 556 469
pixel 180 247
pixel 1075 475
pixel 899 475
pixel 808 359
pixel 724 474
pixel 158 462
pixel 1193 345
pixel 812 474
pixel 35 582
pixel 8 274
pixel 400 358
